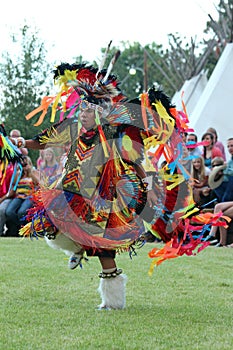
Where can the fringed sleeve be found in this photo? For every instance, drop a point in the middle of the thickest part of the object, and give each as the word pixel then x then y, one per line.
pixel 58 134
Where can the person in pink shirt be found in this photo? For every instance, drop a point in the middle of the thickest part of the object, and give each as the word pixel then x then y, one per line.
pixel 217 143
pixel 210 151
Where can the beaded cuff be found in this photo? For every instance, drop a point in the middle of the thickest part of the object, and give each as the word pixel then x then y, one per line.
pixel 111 274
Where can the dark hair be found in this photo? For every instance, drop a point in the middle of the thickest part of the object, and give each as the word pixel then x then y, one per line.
pixel 191 134
pixel 212 139
pixel 208 134
pixel 213 131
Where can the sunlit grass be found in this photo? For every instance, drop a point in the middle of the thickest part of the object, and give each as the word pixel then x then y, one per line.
pixel 186 304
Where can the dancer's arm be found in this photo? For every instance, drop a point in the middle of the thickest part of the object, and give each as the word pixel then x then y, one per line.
pixel 20 142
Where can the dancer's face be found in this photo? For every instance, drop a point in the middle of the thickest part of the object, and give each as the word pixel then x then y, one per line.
pixel 87 118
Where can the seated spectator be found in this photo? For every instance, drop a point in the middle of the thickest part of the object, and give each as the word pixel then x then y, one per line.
pixel 221 177
pixel 49 167
pixel 200 174
pixel 229 168
pixel 217 143
pixel 184 136
pixel 185 160
pixel 191 141
pixel 15 133
pixel 62 159
pixel 6 195
pixel 190 151
pixel 208 195
pixel 227 209
pixel 210 151
pixel 17 208
pixel 40 160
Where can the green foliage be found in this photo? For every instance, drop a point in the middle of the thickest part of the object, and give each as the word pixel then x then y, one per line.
pixel 148 65
pixel 152 65
pixel 185 305
pixel 23 78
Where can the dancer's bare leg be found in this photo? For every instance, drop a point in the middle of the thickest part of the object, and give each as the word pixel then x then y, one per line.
pixel 112 285
pixel 107 263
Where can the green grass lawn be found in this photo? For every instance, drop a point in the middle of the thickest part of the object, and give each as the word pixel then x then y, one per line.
pixel 186 304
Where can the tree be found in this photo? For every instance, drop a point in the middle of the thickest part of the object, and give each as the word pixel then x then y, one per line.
pixel 223 28
pixel 23 78
pixel 147 65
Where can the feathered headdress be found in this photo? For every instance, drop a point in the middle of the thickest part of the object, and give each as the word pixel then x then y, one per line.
pixel 81 82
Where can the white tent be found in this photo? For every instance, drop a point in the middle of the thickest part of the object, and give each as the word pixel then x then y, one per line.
pixel 191 91
pixel 214 108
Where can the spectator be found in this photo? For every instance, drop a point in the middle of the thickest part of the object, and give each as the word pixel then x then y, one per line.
pixel 49 167
pixel 190 151
pixel 229 169
pixel 15 133
pixel 6 194
pixel 17 208
pixel 221 180
pixel 221 177
pixel 185 160
pixel 217 143
pixel 227 209
pixel 209 150
pixel 200 174
pixel 62 159
pixel 40 160
pixel 191 141
pixel 184 137
pixel 208 195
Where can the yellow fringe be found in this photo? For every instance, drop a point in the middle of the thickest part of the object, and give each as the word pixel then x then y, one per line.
pixel 54 137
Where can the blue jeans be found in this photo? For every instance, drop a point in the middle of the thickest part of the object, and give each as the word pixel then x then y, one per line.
pixel 15 213
pixel 3 207
pixel 225 191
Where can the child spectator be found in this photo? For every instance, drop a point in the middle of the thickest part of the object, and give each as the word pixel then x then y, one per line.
pixel 49 167
pixel 40 160
pixel 200 174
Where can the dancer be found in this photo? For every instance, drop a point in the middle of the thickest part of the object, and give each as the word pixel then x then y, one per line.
pixel 104 183
pixel 111 190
